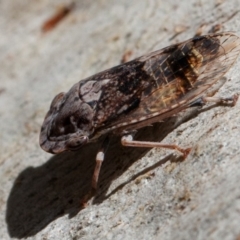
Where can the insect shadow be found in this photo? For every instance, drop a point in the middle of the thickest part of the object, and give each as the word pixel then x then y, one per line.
pixel 42 194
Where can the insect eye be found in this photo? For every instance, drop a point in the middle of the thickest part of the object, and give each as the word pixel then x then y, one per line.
pixel 66 121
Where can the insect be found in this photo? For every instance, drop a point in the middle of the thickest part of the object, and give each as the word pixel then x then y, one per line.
pixel 138 93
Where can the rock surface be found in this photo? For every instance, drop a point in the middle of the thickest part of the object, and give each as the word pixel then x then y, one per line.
pixel 143 194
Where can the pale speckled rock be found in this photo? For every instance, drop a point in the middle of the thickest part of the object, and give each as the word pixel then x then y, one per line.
pixel 144 194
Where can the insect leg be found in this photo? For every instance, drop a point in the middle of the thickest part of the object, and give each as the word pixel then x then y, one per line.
pixel 99 160
pixel 128 141
pixel 218 100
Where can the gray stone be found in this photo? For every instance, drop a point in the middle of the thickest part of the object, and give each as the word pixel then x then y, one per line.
pixel 143 194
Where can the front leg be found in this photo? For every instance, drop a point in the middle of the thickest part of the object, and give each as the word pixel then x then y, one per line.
pixel 99 160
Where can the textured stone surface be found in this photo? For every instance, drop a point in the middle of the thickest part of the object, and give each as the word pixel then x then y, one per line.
pixel 144 194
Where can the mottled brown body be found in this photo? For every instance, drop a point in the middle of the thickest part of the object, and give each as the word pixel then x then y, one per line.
pixel 137 93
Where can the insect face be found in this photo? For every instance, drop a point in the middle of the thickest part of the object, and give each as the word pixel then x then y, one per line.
pixel 67 125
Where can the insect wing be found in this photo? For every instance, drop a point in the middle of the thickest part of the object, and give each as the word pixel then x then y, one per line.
pixel 137 93
pixel 181 73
